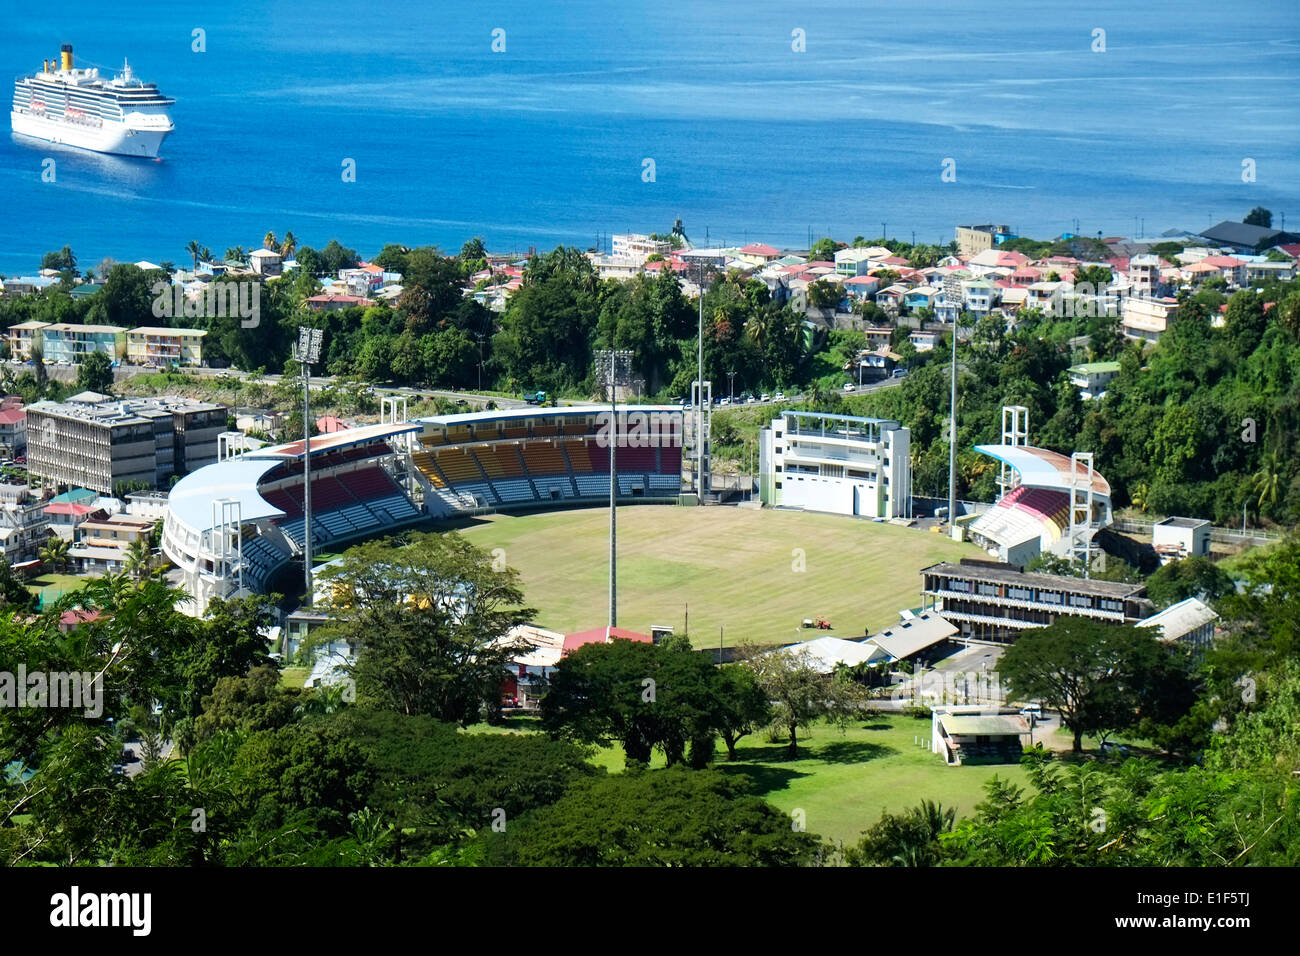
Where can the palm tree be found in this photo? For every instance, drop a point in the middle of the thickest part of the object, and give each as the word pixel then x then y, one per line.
pixel 236 254
pixel 1139 496
pixel 205 254
pixel 139 559
pixel 193 248
pixel 55 553
pixel 289 246
pixel 1265 482
pixel 270 242
pixel 916 844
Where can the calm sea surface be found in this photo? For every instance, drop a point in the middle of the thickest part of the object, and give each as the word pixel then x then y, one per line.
pixel 547 142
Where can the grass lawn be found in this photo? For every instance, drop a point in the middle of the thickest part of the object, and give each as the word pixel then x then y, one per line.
pixel 52 586
pixel 842 781
pixel 294 676
pixel 728 566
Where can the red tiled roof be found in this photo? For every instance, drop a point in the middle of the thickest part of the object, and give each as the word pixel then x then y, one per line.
pixel 69 508
pixel 601 635
pixel 12 416
pixel 78 616
pixel 759 249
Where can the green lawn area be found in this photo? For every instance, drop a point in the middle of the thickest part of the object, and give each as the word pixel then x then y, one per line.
pixel 52 586
pixel 729 567
pixel 294 676
pixel 844 781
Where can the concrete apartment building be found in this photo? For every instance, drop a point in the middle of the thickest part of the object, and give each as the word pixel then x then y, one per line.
pixel 994 602
pixel 13 427
pixel 95 442
pixel 1147 319
pixel 102 545
pixel 149 345
pixel 632 246
pixel 21 337
pixel 972 240
pixel 24 525
pixel 63 342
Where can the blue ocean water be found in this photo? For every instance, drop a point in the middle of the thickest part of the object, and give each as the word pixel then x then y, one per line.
pixel 546 142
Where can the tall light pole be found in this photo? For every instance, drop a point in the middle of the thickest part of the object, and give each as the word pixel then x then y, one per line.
pixel 952 431
pixel 952 299
pixel 612 367
pixel 699 403
pixel 307 353
pixel 731 387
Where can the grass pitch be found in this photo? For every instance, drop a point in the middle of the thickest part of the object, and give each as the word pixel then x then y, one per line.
pixel 734 568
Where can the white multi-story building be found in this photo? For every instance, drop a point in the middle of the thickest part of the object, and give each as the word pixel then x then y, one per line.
pixel 633 246
pixel 841 464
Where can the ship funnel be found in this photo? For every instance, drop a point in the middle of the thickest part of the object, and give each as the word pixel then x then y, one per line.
pixel 66 51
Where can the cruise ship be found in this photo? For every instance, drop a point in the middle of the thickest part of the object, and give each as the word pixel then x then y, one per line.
pixel 61 104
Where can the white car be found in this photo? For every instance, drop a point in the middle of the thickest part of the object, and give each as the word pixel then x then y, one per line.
pixel 765 397
pixel 779 397
pixel 850 387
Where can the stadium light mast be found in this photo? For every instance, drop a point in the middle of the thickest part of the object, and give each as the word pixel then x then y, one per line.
pixel 306 354
pixel 612 367
pixel 699 404
pixel 951 295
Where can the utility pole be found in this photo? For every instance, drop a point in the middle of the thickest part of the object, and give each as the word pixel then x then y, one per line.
pixel 307 353
pixel 731 387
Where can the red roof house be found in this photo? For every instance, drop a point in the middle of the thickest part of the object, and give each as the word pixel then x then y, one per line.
pixel 601 635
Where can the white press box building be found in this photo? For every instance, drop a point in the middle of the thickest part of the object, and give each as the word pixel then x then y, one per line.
pixel 840 464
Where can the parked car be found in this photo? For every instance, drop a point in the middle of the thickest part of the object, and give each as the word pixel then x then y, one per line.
pixel 899 372
pixel 779 397
pixel 1032 710
pixel 765 397
pixel 725 401
pixel 850 387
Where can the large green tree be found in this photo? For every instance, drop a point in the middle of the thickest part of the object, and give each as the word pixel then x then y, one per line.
pixel 430 617
pixel 1100 677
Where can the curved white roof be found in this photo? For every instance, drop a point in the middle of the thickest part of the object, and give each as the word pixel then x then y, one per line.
pixel 1040 468
pixel 191 498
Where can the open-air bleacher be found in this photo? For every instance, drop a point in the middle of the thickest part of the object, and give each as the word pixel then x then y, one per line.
pixel 345 505
pixel 521 467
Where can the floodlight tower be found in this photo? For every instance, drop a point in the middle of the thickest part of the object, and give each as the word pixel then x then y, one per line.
pixel 1015 432
pixel 307 353
pixel 613 368
pixel 1081 530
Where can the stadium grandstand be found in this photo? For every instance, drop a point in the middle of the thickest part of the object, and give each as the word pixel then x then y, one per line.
pixel 524 458
pixel 232 525
pixel 1054 504
pixel 842 464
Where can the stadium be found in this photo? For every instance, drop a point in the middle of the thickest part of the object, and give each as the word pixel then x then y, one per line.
pixel 232 527
pixel 1050 503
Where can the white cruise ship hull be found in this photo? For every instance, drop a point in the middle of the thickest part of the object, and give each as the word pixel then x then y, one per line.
pixel 118 139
